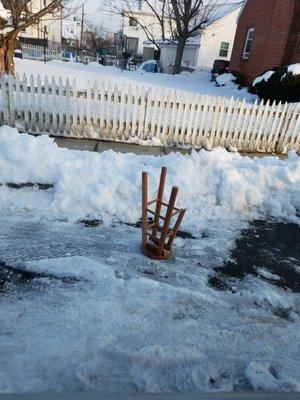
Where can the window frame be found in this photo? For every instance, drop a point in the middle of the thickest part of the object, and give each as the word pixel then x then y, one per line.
pixel 222 49
pixel 132 22
pixel 246 54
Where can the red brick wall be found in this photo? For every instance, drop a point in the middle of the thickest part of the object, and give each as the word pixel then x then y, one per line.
pixel 292 54
pixel 272 20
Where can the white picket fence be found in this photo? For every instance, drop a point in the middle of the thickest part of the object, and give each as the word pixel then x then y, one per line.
pixel 32 52
pixel 134 113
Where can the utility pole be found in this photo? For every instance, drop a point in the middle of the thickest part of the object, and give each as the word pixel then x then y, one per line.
pixel 82 24
pixel 45 46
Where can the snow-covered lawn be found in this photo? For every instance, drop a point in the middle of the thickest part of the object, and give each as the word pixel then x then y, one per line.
pixel 198 82
pixel 122 322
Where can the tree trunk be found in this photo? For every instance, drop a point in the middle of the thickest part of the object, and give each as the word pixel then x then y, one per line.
pixel 179 55
pixel 7 48
pixel 3 47
pixel 9 58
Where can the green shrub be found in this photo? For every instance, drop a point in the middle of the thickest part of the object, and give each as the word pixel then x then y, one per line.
pixel 281 86
pixel 240 79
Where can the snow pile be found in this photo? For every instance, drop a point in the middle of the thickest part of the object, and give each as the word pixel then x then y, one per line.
pixel 198 74
pixel 226 80
pixel 265 77
pixel 294 69
pixel 261 376
pixel 212 185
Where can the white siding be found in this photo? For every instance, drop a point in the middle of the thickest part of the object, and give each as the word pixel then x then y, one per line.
pixel 53 24
pixel 145 19
pixel 223 30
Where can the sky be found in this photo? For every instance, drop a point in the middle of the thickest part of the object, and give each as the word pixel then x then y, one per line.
pixel 95 13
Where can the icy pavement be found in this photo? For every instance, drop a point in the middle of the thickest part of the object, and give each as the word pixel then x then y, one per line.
pixel 92 313
pixel 267 249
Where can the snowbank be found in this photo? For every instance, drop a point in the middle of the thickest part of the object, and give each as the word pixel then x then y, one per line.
pixel 213 185
pixel 226 80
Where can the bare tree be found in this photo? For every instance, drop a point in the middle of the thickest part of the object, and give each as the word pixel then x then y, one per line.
pixel 95 39
pixel 179 20
pixel 21 14
pixel 191 18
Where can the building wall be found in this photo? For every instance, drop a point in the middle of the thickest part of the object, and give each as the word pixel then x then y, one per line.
pixel 54 29
pixel 71 29
pixel 292 54
pixel 222 30
pixel 272 20
pixel 52 23
pixel 146 19
pixel 143 13
pixel 168 54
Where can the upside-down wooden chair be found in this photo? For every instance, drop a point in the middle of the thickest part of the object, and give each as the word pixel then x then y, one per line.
pixel 157 238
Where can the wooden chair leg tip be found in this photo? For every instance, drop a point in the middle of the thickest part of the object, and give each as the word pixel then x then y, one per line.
pixel 151 251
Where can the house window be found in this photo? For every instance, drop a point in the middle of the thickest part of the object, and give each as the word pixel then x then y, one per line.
pixel 132 45
pixel 248 43
pixel 132 22
pixel 224 49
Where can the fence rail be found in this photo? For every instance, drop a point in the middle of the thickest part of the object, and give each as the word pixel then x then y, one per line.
pixel 125 112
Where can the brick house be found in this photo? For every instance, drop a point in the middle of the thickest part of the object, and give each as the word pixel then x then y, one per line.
pixel 268 35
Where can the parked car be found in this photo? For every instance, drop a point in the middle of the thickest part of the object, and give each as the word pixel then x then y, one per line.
pixel 150 66
pixel 220 67
pixel 18 53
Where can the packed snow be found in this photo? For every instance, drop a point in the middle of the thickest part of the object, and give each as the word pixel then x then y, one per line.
pixel 198 82
pixel 126 323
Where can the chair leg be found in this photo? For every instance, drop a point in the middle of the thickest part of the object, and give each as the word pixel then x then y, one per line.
pixel 144 207
pixel 159 199
pixel 167 220
pixel 176 227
